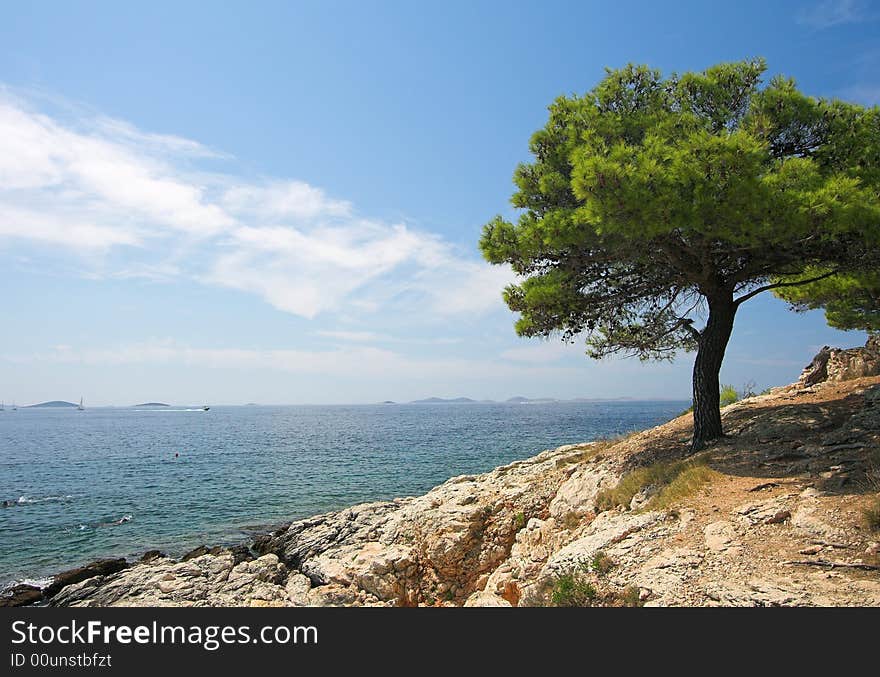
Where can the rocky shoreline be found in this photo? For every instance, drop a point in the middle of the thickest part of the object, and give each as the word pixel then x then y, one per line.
pixel 774 518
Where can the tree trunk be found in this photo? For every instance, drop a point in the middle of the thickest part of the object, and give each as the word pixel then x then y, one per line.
pixel 707 366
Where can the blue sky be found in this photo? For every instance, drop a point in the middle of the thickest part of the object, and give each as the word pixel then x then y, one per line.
pixel 280 202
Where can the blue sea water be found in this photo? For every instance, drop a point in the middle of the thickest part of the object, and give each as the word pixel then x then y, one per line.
pixel 75 476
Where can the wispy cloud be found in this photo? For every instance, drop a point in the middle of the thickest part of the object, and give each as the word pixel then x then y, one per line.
pixel 355 336
pixel 133 203
pixel 374 337
pixel 830 13
pixel 365 361
pixel 544 352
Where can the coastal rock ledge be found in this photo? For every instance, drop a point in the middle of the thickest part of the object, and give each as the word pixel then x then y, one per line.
pixel 775 518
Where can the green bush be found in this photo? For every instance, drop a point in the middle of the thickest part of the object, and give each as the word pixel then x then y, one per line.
pixel 602 563
pixel 573 589
pixel 728 395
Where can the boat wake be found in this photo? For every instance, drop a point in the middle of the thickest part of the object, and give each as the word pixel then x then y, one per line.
pixel 29 500
pixel 96 525
pixel 162 411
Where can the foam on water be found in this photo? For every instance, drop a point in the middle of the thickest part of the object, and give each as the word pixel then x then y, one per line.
pixel 25 500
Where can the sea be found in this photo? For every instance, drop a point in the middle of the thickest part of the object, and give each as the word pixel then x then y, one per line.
pixel 115 482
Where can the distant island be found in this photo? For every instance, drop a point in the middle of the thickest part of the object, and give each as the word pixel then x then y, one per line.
pixel 152 404
pixel 440 400
pixel 53 403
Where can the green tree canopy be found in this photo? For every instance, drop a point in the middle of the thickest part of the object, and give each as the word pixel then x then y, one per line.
pixel 655 205
pixel 851 301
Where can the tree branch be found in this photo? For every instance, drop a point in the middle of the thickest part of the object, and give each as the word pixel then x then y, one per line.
pixel 766 287
pixel 689 325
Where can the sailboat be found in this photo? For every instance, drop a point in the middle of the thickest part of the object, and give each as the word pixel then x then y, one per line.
pixel 2 408
pixel 80 406
pixel 14 408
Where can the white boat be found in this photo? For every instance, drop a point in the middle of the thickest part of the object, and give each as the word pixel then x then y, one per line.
pixel 205 408
pixel 80 406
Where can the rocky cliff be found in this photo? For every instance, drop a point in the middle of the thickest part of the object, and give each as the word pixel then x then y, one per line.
pixel 836 364
pixel 776 514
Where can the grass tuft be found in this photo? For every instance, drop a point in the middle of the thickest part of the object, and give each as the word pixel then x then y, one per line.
pixel 685 484
pixel 602 563
pixel 871 514
pixel 572 520
pixel 630 596
pixel 676 480
pixel 592 452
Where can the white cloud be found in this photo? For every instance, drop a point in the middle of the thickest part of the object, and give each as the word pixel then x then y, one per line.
pixel 86 183
pixel 543 352
pixel 471 288
pixel 123 132
pixel 60 228
pixel 374 337
pixel 93 177
pixel 356 336
pixel 350 373
pixel 830 13
pixel 365 361
pixel 280 199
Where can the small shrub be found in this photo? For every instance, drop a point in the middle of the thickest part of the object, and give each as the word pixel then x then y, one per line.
pixel 571 520
pixel 871 514
pixel 872 472
pixel 602 563
pixel 629 596
pixel 728 395
pixel 606 441
pixel 573 589
pixel 519 520
pixel 589 452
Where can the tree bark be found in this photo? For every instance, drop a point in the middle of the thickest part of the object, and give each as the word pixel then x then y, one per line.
pixel 707 367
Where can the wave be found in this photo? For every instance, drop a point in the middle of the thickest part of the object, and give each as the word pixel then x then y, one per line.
pixel 95 525
pixel 36 582
pixel 27 500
